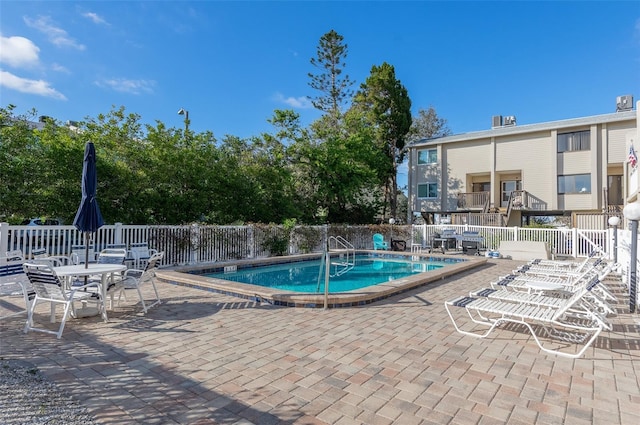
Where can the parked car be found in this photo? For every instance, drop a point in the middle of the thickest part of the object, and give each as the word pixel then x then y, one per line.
pixel 41 222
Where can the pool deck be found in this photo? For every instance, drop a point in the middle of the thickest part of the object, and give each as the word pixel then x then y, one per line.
pixel 208 358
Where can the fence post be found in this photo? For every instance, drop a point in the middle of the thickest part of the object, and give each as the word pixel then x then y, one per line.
pixel 574 244
pixel 117 233
pixel 251 241
pixel 515 233
pixel 194 238
pixel 4 238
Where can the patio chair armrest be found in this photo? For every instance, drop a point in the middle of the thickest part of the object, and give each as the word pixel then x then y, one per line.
pixel 134 272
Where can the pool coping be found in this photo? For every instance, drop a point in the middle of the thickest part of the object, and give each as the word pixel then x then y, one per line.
pixel 181 276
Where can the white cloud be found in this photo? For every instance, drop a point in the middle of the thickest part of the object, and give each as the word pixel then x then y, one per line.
pixel 57 36
pixel 95 18
pixel 128 86
pixel 18 51
pixel 38 87
pixel 295 102
pixel 59 68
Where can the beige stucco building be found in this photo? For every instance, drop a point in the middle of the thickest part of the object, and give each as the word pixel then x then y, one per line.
pixel 557 167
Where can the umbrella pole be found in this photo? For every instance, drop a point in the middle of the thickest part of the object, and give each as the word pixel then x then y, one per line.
pixel 86 250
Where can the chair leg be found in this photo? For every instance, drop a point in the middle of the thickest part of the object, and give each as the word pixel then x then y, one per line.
pixel 29 324
pixel 67 307
pixel 144 307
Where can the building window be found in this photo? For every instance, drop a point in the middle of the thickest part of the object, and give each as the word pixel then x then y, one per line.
pixel 428 190
pixel 576 141
pixel 427 156
pixel 576 183
pixel 481 187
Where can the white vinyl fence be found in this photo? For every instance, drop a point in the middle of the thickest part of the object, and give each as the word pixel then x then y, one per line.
pixel 192 244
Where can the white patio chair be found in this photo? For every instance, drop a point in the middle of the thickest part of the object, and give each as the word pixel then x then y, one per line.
pixel 48 288
pixel 14 255
pixel 555 321
pixel 141 254
pixel 14 283
pixel 39 253
pixel 79 252
pixel 135 278
pixel 115 283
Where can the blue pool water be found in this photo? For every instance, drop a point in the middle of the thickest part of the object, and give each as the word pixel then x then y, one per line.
pixel 308 276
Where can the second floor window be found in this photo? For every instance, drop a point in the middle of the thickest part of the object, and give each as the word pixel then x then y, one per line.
pixel 576 141
pixel 428 190
pixel 575 183
pixel 427 156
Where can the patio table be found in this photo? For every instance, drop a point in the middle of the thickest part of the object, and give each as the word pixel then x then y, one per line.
pixel 91 269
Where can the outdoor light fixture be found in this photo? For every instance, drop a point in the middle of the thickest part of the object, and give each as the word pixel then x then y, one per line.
pixel 391 222
pixel 613 222
pixel 184 112
pixel 632 213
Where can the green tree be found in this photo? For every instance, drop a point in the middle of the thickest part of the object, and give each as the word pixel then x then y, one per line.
pixel 335 88
pixel 386 106
pixel 20 159
pixel 427 124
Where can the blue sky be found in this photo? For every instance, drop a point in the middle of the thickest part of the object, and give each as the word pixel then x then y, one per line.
pixel 231 64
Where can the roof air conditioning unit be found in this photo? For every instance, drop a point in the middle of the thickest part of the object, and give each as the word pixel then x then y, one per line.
pixel 496 121
pixel 510 120
pixel 624 103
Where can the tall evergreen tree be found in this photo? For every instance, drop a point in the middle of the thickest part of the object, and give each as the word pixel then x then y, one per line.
pixel 334 86
pixel 387 107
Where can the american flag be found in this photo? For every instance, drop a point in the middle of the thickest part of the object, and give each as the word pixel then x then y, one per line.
pixel 633 158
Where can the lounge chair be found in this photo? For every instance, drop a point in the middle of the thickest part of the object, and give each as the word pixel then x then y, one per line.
pixel 48 288
pixel 590 305
pixel 556 322
pixel 379 242
pixel 567 284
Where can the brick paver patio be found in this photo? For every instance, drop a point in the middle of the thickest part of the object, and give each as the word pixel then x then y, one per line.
pixel 205 358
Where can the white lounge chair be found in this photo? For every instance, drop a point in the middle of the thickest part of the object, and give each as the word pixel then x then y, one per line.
pixel 560 267
pixel 48 288
pixel 567 283
pixel 554 321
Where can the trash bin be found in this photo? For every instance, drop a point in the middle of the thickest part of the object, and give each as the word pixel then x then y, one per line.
pixel 398 245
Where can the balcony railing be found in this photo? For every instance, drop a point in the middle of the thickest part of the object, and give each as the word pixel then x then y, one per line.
pixel 474 201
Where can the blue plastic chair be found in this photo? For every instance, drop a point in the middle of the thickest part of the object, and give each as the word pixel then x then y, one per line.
pixel 379 243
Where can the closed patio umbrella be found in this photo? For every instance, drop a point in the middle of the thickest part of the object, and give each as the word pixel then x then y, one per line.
pixel 88 218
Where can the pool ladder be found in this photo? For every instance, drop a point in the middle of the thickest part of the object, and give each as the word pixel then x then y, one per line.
pixel 342 264
pixel 347 258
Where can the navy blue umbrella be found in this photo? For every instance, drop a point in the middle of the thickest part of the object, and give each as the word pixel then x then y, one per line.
pixel 88 218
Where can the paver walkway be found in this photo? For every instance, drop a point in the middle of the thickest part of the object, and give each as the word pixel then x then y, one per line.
pixel 204 358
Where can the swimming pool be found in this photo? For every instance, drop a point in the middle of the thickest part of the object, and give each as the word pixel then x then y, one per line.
pixel 309 275
pixel 195 276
